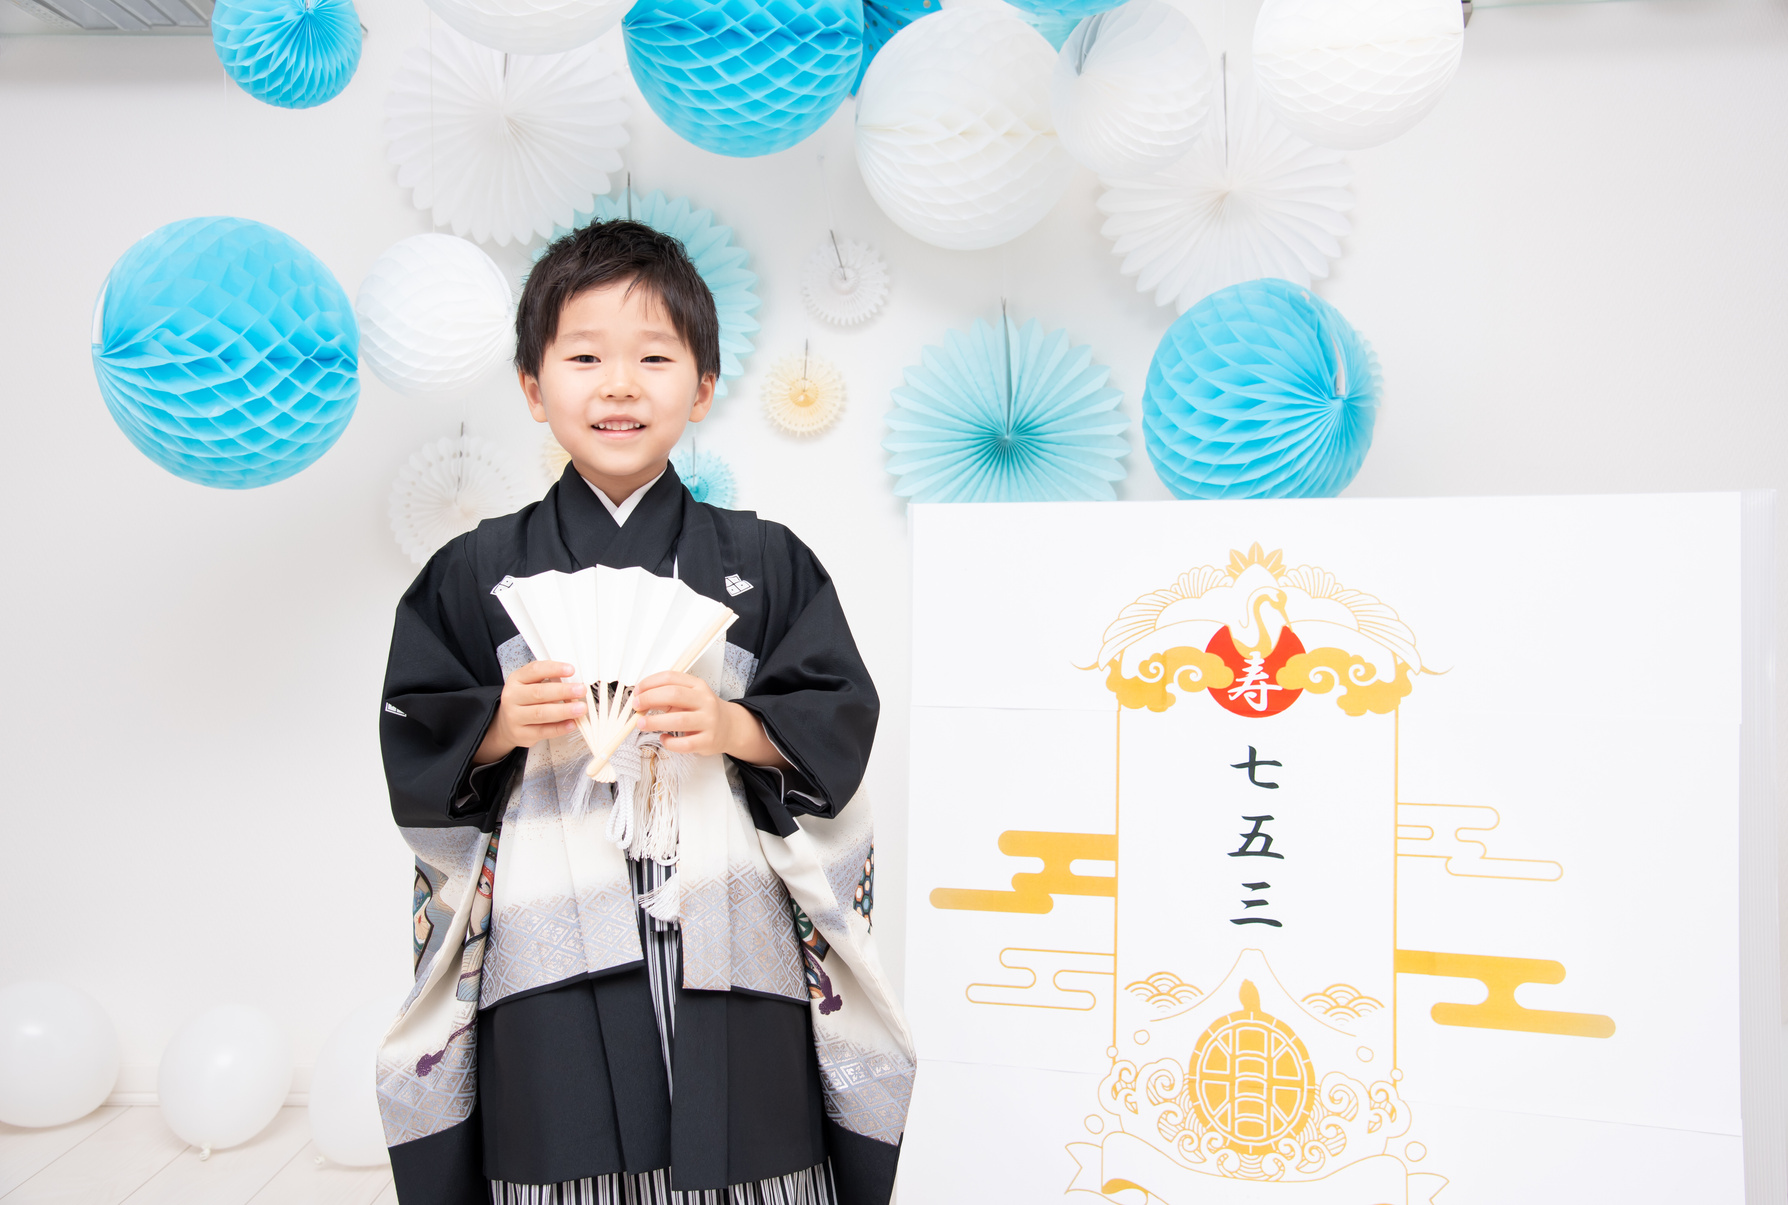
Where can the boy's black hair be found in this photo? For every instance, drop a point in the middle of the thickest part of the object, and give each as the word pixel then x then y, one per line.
pixel 603 253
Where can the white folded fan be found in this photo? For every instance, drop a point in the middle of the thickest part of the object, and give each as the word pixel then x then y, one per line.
pixel 615 627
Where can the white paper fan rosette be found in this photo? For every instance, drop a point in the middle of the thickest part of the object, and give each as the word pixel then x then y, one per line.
pixel 504 147
pixel 553 458
pixel 803 395
pixel 531 26
pixel 448 488
pixel 1274 206
pixel 435 314
pixel 844 282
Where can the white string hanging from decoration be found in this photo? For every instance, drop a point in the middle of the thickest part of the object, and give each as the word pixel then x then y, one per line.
pixel 1251 200
pixel 1131 89
pixel 803 394
pixel 448 488
pixel 501 147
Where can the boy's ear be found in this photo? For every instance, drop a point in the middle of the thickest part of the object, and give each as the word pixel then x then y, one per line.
pixel 530 387
pixel 704 398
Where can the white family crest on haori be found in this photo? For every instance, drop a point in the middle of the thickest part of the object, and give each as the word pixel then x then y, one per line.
pixel 616 627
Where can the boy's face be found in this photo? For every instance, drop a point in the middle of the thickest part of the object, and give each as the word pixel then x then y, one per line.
pixel 617 385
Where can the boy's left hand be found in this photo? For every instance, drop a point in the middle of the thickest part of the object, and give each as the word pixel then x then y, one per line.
pixel 705 723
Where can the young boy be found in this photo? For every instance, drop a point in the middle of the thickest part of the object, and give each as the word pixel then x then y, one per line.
pixel 561 1046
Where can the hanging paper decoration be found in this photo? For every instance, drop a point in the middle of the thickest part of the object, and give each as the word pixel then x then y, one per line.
pixel 1355 73
pixel 226 352
pixel 882 19
pixel 844 282
pixel 707 477
pixel 435 314
pixel 1063 9
pixel 1131 89
pixel 749 77
pixel 1262 390
pixel 1012 415
pixel 553 458
pixel 954 137
pixel 531 26
pixel 1056 30
pixel 803 394
pixel 1269 204
pixel 710 246
pixel 501 147
pixel 449 487
pixel 290 53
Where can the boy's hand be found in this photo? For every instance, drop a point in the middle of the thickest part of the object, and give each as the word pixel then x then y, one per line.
pixel 540 700
pixel 705 723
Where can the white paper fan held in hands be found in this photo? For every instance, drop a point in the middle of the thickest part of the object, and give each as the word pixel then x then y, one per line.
pixel 614 627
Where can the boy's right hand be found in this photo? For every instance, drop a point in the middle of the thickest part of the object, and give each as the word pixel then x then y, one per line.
pixel 540 700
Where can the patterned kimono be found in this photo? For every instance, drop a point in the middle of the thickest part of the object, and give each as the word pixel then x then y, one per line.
pixel 560 1046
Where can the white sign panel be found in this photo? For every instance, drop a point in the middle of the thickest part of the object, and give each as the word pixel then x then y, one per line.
pixel 1348 853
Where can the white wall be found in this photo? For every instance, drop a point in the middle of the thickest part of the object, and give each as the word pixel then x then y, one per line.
pixel 1571 272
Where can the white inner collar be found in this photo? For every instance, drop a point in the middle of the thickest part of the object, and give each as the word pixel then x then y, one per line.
pixel 621 512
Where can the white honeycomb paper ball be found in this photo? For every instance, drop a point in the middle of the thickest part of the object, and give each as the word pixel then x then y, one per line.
pixel 435 314
pixel 1131 89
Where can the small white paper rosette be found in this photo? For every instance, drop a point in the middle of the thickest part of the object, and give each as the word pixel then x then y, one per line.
pixel 448 488
pixel 844 282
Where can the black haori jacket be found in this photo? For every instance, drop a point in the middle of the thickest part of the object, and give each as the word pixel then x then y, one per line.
pixel 526 1051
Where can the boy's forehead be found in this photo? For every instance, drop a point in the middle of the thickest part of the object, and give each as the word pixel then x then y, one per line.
pixel 619 304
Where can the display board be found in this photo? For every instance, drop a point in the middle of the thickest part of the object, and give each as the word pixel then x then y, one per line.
pixel 1342 852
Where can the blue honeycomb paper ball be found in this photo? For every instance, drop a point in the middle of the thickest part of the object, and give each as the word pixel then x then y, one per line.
pixel 292 53
pixel 1261 390
pixel 744 77
pixel 226 352
pixel 1063 10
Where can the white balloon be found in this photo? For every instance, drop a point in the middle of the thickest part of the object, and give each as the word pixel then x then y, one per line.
pixel 954 137
pixel 531 26
pixel 224 1076
pixel 435 314
pixel 1258 202
pixel 58 1054
pixel 1355 73
pixel 344 1100
pixel 504 148
pixel 1131 88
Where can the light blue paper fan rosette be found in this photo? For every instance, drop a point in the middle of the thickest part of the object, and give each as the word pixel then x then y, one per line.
pixel 1012 416
pixel 1261 390
pixel 226 352
pixel 744 77
pixel 711 247
pixel 292 53
pixel 706 476
pixel 882 19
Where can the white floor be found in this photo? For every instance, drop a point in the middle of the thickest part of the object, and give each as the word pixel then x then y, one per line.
pixel 122 1155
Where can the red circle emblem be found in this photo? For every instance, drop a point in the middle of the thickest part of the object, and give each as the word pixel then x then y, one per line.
pixel 1256 691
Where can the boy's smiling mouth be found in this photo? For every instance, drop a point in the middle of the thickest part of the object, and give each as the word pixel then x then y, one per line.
pixel 617 427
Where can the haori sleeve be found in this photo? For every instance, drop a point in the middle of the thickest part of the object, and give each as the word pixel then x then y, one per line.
pixel 811 691
pixel 442 686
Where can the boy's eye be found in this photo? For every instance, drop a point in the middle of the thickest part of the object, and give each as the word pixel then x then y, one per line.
pixel 657 359
pixel 586 358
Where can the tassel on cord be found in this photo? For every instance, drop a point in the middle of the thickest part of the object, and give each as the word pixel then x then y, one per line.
pixel 665 901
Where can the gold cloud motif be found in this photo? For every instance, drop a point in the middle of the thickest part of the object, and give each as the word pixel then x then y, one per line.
pixel 1163 989
pixel 1321 670
pixel 1189 669
pixel 1341 1000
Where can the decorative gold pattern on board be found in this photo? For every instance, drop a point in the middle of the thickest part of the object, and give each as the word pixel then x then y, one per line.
pixel 1044 986
pixel 1218 630
pixel 1500 977
pixel 1034 891
pixel 1163 991
pixel 1321 670
pixel 1341 1001
pixel 1252 1081
pixel 1437 830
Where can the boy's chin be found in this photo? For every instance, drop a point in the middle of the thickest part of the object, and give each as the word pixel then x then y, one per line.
pixel 619 464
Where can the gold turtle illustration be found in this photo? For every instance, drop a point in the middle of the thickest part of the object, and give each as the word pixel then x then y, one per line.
pixel 1252 1081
